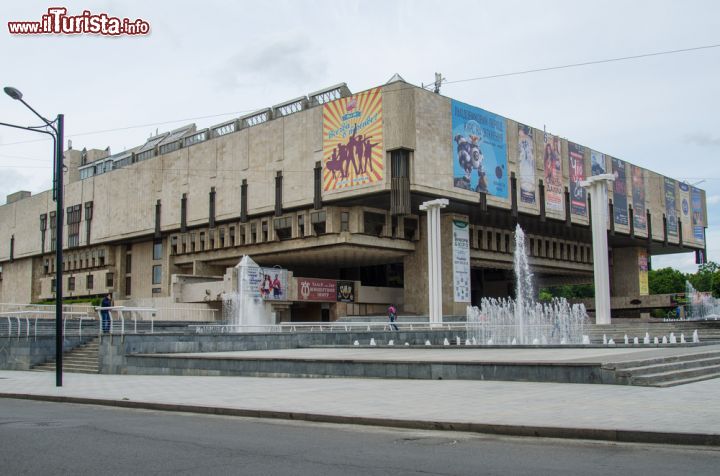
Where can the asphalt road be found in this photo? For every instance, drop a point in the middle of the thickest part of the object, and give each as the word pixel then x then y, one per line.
pixel 56 438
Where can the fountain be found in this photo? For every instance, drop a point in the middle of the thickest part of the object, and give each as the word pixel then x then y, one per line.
pixel 701 305
pixel 522 320
pixel 244 309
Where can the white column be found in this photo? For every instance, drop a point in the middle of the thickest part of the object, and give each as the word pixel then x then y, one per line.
pixel 597 188
pixel 434 258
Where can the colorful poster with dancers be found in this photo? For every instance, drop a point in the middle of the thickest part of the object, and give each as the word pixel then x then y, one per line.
pixel 576 162
pixel 479 150
pixel 353 149
pixel 554 190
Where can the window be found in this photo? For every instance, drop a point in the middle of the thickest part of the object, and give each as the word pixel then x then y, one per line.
pixel 374 223
pixel 128 286
pixel 53 286
pixel 0 272
pixel 157 250
pixel 43 227
pixel 71 283
pixel 183 243
pixel 128 263
pixel 53 224
pixel 344 221
pixel 243 201
pixel 231 233
pixel 157 274
pixel 88 220
pixel 211 211
pixel 192 242
pixel 283 227
pixel 253 232
pixel 301 225
pixel 101 257
pixel 278 193
pixel 202 241
pixel 73 220
pixel 264 231
pixel 174 245
pixel 317 219
pixel 183 213
pixel 243 230
pixel 156 290
pixel 411 226
pixel 46 266
pixel 109 280
pixel 89 281
pixel 211 235
pixel 221 237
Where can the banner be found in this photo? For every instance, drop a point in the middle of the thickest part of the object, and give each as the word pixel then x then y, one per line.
pixel 526 164
pixel 671 207
pixel 312 289
pixel 698 218
pixel 684 197
pixel 461 261
pixel 479 150
pixel 353 149
pixel 643 272
pixel 637 175
pixel 554 192
pixel 345 291
pixel 597 163
pixel 273 284
pixel 620 203
pixel 576 162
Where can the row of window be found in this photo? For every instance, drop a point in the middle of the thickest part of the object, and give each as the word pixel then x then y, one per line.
pixel 503 242
pixel 77 261
pixel 89 282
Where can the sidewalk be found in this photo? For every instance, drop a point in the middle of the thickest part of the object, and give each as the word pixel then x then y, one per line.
pixel 686 414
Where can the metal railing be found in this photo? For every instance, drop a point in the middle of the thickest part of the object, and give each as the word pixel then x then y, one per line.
pixel 325 327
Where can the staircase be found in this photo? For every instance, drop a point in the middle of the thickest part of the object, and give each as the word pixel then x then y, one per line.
pixel 82 359
pixel 668 371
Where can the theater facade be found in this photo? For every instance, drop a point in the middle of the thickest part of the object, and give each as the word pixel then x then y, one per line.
pixel 326 189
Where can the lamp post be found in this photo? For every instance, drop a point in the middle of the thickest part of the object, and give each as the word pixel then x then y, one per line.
pixel 57 126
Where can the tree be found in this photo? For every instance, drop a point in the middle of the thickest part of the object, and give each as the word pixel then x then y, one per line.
pixel 707 278
pixel 666 281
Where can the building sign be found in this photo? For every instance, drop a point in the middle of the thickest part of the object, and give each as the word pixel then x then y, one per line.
pixel 345 291
pixel 698 217
pixel 461 261
pixel 671 207
pixel 643 272
pixel 526 164
pixel 620 203
pixel 312 289
pixel 353 149
pixel 576 166
pixel 637 175
pixel 479 150
pixel 597 163
pixel 273 284
pixel 552 159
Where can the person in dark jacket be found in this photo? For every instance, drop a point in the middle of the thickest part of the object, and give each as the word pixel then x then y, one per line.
pixel 105 313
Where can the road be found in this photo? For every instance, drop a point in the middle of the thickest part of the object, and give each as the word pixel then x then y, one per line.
pixel 58 438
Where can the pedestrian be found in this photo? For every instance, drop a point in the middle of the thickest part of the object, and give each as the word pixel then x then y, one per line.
pixel 105 313
pixel 392 316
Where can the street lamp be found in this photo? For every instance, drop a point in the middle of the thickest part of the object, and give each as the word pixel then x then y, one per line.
pixel 57 126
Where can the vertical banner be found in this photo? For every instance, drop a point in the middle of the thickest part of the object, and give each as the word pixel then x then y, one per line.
pixel 576 162
pixel 479 150
pixel 345 291
pixel 684 197
pixel 597 163
pixel 620 203
pixel 526 164
pixel 273 284
pixel 671 207
pixel 643 272
pixel 637 175
pixel 353 149
pixel 698 218
pixel 461 261
pixel 554 193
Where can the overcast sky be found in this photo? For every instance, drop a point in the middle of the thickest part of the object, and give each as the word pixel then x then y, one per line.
pixel 224 59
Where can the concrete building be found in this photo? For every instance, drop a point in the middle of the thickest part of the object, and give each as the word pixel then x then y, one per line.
pixel 328 186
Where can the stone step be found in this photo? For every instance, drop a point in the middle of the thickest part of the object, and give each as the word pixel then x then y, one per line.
pixel 669 366
pixel 700 378
pixel 675 375
pixel 622 366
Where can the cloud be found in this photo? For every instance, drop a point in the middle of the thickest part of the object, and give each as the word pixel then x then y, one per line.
pixel 288 60
pixel 702 139
pixel 712 199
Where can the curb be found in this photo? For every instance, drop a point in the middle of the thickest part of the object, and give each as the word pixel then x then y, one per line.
pixel 619 436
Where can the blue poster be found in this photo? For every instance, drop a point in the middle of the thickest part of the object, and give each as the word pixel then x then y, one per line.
pixel 479 150
pixel 698 217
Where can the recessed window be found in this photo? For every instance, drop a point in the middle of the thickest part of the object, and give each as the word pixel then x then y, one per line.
pixel 283 227
pixel 89 281
pixel 157 274
pixel 109 280
pixel 374 223
pixel 317 220
pixel 71 283
pixel 157 250
pixel 344 221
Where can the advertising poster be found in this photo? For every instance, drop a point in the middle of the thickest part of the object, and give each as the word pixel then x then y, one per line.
pixel 597 163
pixel 479 150
pixel 346 291
pixel 638 194
pixel 620 203
pixel 353 149
pixel 273 284
pixel 698 219
pixel 461 261
pixel 312 289
pixel 671 207
pixel 684 197
pixel 526 164
pixel 576 162
pixel 552 159
pixel 643 269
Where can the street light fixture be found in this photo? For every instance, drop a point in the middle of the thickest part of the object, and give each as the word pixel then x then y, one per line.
pixel 57 126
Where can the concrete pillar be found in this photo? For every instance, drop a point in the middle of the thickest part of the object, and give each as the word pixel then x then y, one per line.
pixel 626 272
pixel 597 187
pixel 434 258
